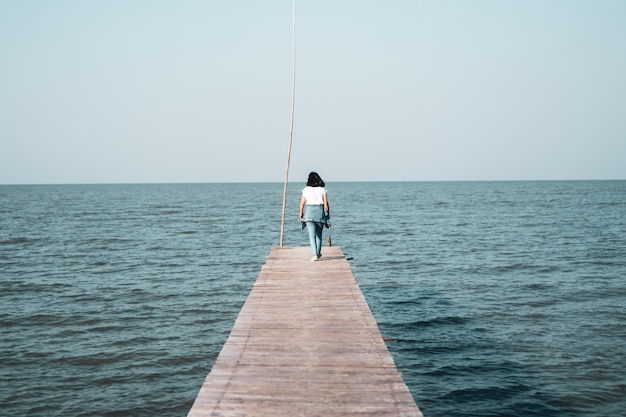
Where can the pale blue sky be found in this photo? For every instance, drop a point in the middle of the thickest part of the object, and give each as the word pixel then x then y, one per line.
pixel 200 91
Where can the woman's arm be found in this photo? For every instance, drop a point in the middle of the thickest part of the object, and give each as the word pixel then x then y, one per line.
pixel 302 203
pixel 326 206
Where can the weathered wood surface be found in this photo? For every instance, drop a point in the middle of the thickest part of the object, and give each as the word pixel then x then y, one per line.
pixel 305 344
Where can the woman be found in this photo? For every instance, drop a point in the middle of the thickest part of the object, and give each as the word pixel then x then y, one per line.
pixel 315 212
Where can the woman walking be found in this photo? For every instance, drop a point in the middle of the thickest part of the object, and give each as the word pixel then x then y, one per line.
pixel 315 212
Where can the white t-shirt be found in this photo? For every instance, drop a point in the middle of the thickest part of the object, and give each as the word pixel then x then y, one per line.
pixel 314 195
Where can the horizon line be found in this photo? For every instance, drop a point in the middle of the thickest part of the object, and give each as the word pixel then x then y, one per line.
pixel 297 182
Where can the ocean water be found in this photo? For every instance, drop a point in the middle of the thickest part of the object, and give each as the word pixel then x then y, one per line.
pixel 496 298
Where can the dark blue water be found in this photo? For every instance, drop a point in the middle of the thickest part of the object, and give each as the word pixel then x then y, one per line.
pixel 498 298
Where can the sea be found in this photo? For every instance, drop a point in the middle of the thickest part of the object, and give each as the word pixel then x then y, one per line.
pixel 494 298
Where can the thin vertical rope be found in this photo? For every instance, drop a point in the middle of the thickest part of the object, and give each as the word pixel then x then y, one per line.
pixel 293 96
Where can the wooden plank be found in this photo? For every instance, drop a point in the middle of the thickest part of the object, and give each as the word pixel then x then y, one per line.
pixel 304 344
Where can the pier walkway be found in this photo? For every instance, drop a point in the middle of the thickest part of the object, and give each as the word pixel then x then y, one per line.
pixel 305 344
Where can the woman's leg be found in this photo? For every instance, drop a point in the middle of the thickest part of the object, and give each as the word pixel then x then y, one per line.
pixel 315 237
pixel 318 239
pixel 311 228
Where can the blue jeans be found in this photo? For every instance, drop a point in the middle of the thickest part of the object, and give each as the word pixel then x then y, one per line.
pixel 315 237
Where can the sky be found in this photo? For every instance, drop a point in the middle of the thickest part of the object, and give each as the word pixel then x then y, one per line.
pixel 151 91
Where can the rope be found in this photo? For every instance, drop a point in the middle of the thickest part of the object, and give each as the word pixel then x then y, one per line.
pixel 293 95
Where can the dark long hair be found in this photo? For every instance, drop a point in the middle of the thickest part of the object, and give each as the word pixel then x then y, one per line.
pixel 315 180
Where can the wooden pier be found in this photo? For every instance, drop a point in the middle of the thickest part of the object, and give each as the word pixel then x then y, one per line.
pixel 305 344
